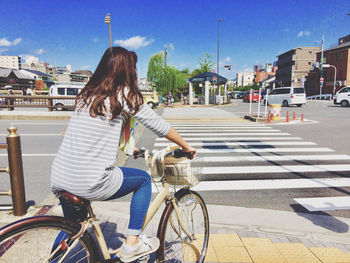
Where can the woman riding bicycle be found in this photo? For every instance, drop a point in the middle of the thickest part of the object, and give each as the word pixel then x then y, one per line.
pixel 84 163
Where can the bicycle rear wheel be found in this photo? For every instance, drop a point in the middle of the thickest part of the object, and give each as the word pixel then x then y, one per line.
pixel 33 239
pixel 175 245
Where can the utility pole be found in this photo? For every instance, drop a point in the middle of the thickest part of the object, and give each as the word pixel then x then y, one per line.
pixel 108 21
pixel 218 61
pixel 165 54
pixel 321 63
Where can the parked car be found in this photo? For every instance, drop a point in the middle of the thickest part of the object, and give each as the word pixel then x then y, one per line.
pixel 66 90
pixel 151 98
pixel 287 96
pixel 342 97
pixel 254 97
pixel 234 94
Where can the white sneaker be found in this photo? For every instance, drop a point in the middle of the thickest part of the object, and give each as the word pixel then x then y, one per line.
pixel 145 246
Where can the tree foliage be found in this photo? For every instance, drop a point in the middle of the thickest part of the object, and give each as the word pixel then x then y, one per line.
pixel 206 62
pixel 166 78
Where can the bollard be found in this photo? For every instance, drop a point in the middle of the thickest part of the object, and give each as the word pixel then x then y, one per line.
pixel 294 116
pixel 302 117
pixel 287 117
pixel 268 118
pixel 16 172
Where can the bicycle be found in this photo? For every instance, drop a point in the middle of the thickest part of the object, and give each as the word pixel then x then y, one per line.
pixel 55 239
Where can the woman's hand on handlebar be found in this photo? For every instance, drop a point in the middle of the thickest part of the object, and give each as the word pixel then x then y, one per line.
pixel 192 152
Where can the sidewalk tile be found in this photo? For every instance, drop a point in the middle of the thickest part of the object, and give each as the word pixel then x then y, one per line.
pixel 330 254
pixel 296 253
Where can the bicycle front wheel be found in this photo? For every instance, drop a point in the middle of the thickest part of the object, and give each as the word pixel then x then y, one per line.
pixel 45 239
pixel 175 244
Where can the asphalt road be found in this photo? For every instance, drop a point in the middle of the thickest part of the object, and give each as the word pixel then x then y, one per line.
pixel 329 129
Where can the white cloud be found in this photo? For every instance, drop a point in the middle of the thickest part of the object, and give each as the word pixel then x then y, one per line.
pixel 3 50
pixel 228 59
pixel 28 58
pixel 86 67
pixel 134 42
pixel 96 39
pixel 303 34
pixel 6 43
pixel 171 46
pixel 39 51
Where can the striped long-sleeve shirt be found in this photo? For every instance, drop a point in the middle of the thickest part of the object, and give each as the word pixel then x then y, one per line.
pixel 84 163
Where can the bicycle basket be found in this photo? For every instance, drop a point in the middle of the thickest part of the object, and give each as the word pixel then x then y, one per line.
pixel 176 171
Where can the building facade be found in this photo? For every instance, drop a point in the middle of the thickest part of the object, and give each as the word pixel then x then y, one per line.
pixel 339 58
pixel 294 65
pixel 11 62
pixel 245 79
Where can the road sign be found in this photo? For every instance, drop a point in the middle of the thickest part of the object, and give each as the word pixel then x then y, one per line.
pixel 322 79
pixel 321 83
pixel 214 79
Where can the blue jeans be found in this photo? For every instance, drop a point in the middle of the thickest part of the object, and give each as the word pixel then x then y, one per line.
pixel 139 182
pixel 134 180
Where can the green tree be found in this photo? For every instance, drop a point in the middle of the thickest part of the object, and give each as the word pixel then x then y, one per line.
pixel 155 68
pixel 166 78
pixel 206 62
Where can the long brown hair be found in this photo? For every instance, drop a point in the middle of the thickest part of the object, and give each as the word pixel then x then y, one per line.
pixel 115 74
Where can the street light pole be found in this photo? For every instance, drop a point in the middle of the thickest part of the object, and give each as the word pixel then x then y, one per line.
pixel 108 21
pixel 218 59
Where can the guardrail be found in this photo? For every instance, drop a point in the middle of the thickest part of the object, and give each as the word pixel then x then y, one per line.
pixel 320 97
pixel 15 170
pixel 49 102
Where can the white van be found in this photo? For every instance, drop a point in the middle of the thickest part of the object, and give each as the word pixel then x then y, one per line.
pixel 69 90
pixel 342 97
pixel 287 96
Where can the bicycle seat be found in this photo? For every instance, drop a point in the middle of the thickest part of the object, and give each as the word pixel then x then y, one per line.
pixel 74 199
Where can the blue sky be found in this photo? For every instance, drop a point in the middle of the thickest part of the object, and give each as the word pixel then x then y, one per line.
pixel 252 32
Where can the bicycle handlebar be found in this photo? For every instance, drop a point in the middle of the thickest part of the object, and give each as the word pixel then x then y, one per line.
pixel 177 153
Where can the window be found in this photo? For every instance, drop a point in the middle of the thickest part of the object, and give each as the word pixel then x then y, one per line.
pixel 283 91
pixel 273 92
pixel 299 90
pixel 60 91
pixel 72 92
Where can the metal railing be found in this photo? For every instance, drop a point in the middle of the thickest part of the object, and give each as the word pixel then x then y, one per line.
pixel 38 101
pixel 15 170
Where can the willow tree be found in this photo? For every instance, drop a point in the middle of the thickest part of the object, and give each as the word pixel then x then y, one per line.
pixel 155 68
pixel 166 78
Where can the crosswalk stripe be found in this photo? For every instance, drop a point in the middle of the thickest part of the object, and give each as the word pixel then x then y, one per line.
pixel 274 150
pixel 234 134
pixel 324 203
pixel 264 184
pixel 271 169
pixel 217 125
pixel 227 130
pixel 205 144
pixel 256 138
pixel 270 158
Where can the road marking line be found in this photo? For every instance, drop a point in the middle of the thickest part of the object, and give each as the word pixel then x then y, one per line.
pixel 271 169
pixel 234 185
pixel 324 203
pixel 205 144
pixel 232 138
pixel 234 134
pixel 218 125
pixel 33 154
pixel 36 134
pixel 226 130
pixel 252 150
pixel 270 158
pixel 40 123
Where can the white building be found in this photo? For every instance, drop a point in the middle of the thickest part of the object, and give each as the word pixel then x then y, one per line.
pixel 12 62
pixel 245 79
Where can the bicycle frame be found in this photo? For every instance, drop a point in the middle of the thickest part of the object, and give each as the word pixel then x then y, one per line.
pixel 153 208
